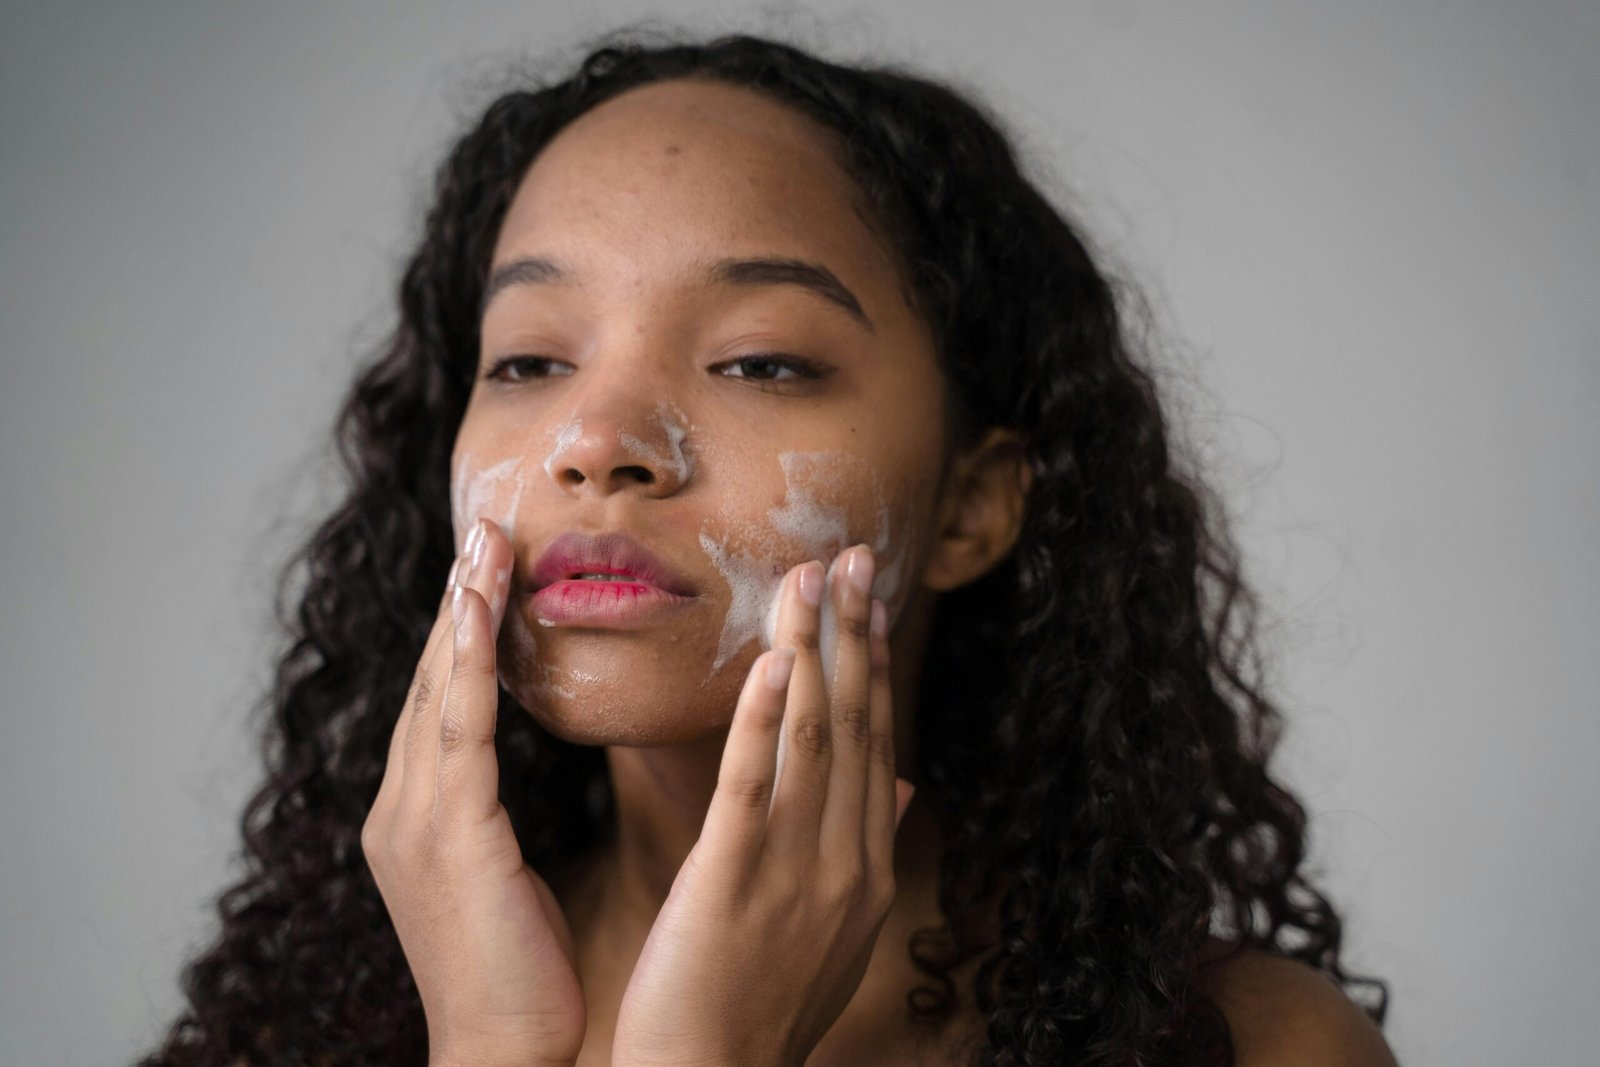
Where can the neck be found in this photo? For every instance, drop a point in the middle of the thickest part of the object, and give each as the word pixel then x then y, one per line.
pixel 662 795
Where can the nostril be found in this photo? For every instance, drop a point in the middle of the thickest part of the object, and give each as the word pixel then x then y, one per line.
pixel 572 476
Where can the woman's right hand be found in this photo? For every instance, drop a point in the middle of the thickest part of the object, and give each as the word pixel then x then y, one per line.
pixel 487 944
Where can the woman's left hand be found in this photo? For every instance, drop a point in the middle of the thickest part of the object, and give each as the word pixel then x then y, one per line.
pixel 768 928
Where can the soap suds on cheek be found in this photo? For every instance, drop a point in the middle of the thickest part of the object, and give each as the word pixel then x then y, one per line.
pixel 804 525
pixel 474 493
pixel 754 580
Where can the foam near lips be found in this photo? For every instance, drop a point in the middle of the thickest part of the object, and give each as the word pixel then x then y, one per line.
pixel 754 570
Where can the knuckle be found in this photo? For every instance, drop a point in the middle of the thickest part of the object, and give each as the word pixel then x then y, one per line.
pixel 883 893
pixel 453 735
pixel 423 689
pixel 813 736
pixel 855 718
pixel 748 793
pixel 845 887
pixel 855 627
pixel 374 839
pixel 881 751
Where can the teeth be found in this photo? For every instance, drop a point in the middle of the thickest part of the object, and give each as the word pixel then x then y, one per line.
pixel 601 578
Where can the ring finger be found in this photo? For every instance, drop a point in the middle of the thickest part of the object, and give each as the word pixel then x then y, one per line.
pixel 851 713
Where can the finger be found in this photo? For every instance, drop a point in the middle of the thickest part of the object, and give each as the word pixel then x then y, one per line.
pixel 420 777
pixel 736 822
pixel 882 806
pixel 844 808
pixel 468 784
pixel 495 580
pixel 802 776
pixel 394 769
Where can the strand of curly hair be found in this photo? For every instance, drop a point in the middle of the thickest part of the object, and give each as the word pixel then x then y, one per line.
pixel 1136 814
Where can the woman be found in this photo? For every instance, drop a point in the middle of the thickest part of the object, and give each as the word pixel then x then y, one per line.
pixel 793 456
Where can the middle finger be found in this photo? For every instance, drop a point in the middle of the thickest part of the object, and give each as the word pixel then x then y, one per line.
pixel 806 735
pixel 843 819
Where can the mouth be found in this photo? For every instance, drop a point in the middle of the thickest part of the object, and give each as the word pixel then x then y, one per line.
pixel 608 579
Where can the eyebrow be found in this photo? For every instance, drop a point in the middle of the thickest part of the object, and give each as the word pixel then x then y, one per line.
pixel 750 273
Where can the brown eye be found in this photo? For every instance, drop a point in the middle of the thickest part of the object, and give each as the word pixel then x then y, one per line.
pixel 765 367
pixel 539 364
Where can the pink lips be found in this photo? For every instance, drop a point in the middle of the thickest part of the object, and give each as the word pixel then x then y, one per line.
pixel 560 596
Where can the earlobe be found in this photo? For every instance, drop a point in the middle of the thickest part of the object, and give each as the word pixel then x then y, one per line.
pixel 980 515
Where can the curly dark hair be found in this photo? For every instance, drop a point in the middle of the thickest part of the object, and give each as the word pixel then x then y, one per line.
pixel 1136 820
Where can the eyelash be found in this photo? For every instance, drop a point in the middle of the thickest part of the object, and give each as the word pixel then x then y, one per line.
pixel 804 369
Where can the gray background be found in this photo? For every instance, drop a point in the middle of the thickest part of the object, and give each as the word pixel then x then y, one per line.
pixel 1370 242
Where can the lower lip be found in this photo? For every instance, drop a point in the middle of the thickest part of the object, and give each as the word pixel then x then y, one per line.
pixel 599 603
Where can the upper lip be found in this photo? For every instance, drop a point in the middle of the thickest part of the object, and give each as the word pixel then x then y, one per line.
pixel 575 552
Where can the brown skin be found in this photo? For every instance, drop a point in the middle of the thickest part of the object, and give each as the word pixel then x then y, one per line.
pixel 633 199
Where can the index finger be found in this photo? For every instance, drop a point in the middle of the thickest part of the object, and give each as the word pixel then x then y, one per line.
pixel 394 768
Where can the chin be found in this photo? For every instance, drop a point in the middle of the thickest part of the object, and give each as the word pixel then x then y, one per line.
pixel 601 715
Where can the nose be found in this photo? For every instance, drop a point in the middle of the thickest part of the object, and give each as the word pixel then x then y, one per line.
pixel 624 445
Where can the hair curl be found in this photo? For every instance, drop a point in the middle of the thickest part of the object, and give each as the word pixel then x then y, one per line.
pixel 1136 815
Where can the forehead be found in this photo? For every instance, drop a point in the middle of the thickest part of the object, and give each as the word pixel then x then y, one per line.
pixel 685 171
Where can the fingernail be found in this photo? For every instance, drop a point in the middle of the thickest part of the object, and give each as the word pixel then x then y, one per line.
pixel 458 607
pixel 779 667
pixel 454 567
pixel 811 584
pixel 858 569
pixel 475 544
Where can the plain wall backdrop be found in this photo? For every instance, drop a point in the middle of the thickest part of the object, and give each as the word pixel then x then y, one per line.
pixel 1370 238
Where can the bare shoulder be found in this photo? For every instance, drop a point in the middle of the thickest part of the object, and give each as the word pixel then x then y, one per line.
pixel 1283 1011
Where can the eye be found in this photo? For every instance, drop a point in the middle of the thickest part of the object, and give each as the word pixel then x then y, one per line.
pixel 764 367
pixel 541 365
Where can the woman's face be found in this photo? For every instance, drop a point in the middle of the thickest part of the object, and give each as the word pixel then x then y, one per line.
pixel 647 392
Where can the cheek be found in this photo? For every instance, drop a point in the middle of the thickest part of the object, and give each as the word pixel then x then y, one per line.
pixel 829 501
pixel 492 490
pixel 762 514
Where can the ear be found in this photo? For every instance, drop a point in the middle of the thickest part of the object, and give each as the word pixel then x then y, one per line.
pixel 980 513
